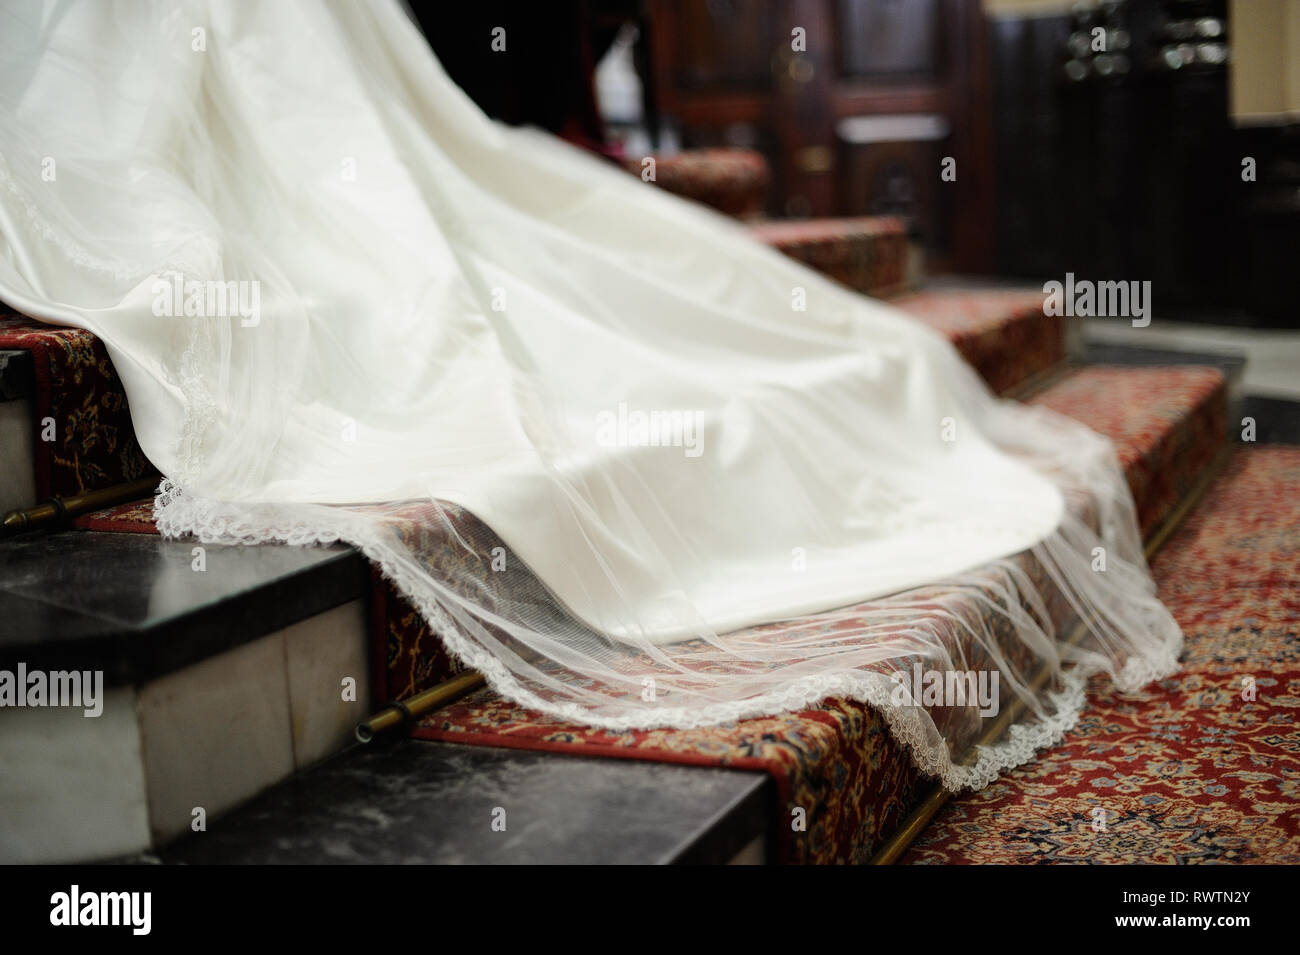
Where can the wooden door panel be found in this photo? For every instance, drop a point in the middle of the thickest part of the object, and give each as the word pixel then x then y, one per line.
pixel 722 64
pixel 723 44
pixel 884 38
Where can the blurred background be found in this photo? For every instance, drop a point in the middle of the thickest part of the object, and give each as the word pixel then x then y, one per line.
pixel 1122 139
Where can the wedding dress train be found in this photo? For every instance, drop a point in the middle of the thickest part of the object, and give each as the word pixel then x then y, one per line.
pixel 660 474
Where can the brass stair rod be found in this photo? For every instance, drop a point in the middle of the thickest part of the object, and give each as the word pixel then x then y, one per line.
pixel 409 710
pixel 58 510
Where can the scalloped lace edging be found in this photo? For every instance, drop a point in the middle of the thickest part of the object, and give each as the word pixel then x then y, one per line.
pixel 177 514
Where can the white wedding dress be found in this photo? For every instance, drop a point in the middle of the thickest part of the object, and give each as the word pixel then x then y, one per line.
pixel 438 308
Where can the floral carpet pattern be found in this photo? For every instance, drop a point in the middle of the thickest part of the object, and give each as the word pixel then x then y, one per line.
pixel 1131 409
pixel 1002 333
pixel 82 434
pixel 868 254
pixel 733 181
pixel 1204 767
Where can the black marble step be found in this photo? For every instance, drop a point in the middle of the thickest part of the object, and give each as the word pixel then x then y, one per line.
pixel 413 801
pixel 133 605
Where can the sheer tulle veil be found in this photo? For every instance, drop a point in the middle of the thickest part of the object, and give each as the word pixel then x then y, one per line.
pixel 636 468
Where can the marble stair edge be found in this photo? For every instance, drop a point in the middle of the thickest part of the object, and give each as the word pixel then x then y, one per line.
pixel 188 680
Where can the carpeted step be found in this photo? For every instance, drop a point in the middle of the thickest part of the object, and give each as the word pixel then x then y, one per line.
pixel 1002 333
pixel 1204 767
pixel 1167 424
pixel 65 427
pixel 869 254
pixel 64 420
pixel 838 762
pixel 733 181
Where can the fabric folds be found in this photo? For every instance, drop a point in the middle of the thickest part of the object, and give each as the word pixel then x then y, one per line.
pixel 663 476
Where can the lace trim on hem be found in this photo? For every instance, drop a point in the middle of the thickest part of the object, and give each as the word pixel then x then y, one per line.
pixel 178 514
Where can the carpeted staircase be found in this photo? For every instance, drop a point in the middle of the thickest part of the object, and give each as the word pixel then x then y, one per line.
pixel 229 677
pixel 837 762
pixel 1203 767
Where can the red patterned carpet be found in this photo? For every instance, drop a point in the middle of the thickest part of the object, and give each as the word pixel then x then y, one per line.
pixel 869 254
pixel 1200 769
pixel 836 761
pixel 733 181
pixel 1003 333
pixel 80 397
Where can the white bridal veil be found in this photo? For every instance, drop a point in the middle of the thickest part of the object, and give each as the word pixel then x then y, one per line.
pixel 636 468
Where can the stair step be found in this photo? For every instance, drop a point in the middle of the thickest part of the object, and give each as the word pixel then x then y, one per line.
pixel 1229 576
pixel 839 757
pixel 841 740
pixel 134 606
pixel 65 426
pixel 216 683
pixel 733 181
pixel 1095 352
pixel 63 376
pixel 1002 333
pixel 1154 428
pixel 1168 424
pixel 430 803
pixel 869 254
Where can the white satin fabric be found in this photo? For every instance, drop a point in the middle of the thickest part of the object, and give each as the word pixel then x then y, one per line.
pixel 455 311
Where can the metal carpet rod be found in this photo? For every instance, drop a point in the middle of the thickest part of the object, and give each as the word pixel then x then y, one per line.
pixel 59 511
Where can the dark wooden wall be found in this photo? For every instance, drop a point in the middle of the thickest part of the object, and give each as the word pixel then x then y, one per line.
pixel 725 70
pixel 1138 175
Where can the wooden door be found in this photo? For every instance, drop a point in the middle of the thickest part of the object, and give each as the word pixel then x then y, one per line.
pixel 856 103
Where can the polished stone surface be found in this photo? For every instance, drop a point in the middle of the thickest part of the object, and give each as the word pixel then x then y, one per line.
pixel 72 789
pixel 215 734
pixel 320 654
pixel 134 606
pixel 413 801
pixel 1277 420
